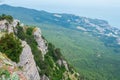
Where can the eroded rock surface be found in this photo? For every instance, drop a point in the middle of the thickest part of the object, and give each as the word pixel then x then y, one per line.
pixel 6 26
pixel 27 63
pixel 41 42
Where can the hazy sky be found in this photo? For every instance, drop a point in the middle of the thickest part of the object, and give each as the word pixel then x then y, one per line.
pixel 102 9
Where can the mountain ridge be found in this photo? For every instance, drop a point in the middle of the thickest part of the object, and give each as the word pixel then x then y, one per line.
pixel 44 12
pixel 93 44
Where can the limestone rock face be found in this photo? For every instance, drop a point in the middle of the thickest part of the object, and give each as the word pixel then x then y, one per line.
pixel 3 25
pixel 41 42
pixel 63 62
pixel 15 22
pixel 9 27
pixel 27 63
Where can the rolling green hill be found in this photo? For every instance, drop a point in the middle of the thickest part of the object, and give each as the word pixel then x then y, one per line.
pixel 90 45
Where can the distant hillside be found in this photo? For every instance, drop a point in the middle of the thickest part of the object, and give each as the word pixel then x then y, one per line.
pixel 91 45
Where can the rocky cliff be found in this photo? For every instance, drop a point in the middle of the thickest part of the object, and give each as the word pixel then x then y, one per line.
pixel 40 41
pixel 33 58
pixel 27 63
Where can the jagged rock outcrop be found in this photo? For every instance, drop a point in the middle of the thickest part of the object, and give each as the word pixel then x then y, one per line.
pixel 41 42
pixel 63 62
pixel 2 25
pixel 6 26
pixel 27 63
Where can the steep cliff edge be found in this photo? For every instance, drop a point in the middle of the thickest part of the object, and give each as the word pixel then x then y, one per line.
pixel 40 41
pixel 35 58
pixel 27 63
